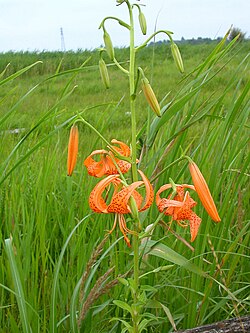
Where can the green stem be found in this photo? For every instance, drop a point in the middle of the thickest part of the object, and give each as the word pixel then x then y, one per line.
pixel 120 67
pixel 167 167
pixel 168 33
pixel 81 119
pixel 93 129
pixel 135 316
pixel 132 94
pixel 124 24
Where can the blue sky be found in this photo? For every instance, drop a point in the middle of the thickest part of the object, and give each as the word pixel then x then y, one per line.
pixel 35 24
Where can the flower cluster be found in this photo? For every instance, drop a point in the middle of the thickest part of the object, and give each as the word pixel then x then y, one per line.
pixel 113 195
pixel 108 163
pixel 110 166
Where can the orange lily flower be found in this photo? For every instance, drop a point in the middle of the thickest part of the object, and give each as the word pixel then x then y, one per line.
pixel 180 207
pixel 203 191
pixel 72 149
pixel 106 166
pixel 119 203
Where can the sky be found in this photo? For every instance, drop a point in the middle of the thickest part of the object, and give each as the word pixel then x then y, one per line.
pixel 35 25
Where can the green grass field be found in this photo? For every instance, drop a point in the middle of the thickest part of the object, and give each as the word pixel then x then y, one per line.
pixel 48 232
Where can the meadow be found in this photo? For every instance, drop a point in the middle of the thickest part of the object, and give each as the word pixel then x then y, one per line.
pixel 48 232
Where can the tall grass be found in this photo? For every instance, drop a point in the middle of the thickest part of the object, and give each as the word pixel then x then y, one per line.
pixel 47 233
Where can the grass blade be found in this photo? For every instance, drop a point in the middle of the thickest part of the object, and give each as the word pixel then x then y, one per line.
pixel 18 286
pixel 53 326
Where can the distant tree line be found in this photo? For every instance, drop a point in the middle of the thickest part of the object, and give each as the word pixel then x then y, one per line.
pixel 205 40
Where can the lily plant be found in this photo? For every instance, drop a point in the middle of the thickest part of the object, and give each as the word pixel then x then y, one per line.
pixel 124 190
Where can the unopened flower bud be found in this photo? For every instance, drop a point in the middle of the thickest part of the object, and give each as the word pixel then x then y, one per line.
pixel 143 23
pixel 177 57
pixel 150 96
pixel 203 191
pixel 104 73
pixel 108 45
pixel 72 149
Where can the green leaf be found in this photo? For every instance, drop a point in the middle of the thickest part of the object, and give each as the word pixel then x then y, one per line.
pixel 143 324
pixel 123 281
pixel 169 315
pixel 18 286
pixel 132 284
pixel 142 297
pixel 162 251
pixel 55 282
pixel 18 73
pixel 148 288
pixel 123 305
pixel 127 325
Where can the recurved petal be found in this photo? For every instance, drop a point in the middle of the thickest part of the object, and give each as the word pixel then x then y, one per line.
pixel 203 191
pixel 89 160
pixel 109 167
pixel 96 201
pixel 188 202
pixel 124 166
pixel 161 189
pixel 119 202
pixel 104 166
pixel 165 203
pixel 149 192
pixel 96 170
pixel 194 223
pixel 123 149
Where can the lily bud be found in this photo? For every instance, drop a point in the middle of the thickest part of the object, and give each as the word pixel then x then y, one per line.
pixel 177 57
pixel 143 23
pixel 104 73
pixel 72 149
pixel 150 96
pixel 203 191
pixel 108 45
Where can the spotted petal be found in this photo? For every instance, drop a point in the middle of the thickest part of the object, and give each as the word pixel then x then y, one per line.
pixel 194 224
pixel 119 202
pixel 98 168
pixel 96 201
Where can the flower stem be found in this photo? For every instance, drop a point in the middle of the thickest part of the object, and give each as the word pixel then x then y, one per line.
pixel 135 316
pixel 132 93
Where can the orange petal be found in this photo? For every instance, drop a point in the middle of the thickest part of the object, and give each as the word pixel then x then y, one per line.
pixel 149 192
pixel 165 203
pixel 96 201
pixel 179 190
pixel 171 207
pixel 123 149
pixel 109 167
pixel 95 168
pixel 119 202
pixel 194 224
pixel 124 166
pixel 188 202
pixel 89 160
pixel 161 189
pixel 203 192
pixel 72 149
pixel 100 168
pixel 138 198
